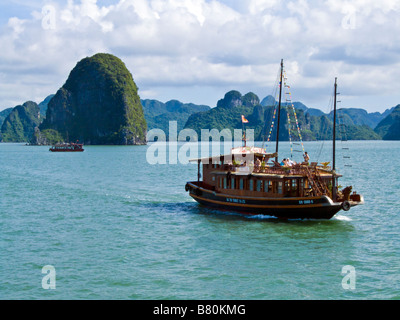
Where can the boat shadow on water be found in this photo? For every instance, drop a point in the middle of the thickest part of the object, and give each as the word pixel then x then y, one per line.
pixel 262 218
pixel 193 208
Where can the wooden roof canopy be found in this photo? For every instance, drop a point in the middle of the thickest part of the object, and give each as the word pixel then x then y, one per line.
pixel 235 154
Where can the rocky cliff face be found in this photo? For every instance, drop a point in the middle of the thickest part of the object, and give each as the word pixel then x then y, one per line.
pixel 231 99
pixel 227 115
pixel 20 124
pixel 4 114
pixel 98 104
pixel 43 105
pixel 389 128
pixel 159 114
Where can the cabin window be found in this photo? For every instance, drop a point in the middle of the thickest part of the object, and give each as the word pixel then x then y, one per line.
pixel 290 185
pixel 225 183
pixel 279 186
pixel 258 185
pixel 251 185
pixel 266 184
pixel 233 183
pixel 287 185
pixel 241 184
pixel 213 178
pixel 274 186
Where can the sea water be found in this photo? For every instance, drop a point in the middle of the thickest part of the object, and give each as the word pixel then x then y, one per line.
pixel 110 225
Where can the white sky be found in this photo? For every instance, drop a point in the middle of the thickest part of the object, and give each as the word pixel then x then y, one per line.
pixel 197 50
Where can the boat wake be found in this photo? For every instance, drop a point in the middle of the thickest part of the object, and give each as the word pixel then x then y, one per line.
pixel 260 217
pixel 342 218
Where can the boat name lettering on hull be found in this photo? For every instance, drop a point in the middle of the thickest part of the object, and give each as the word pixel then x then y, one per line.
pixel 235 200
pixel 306 201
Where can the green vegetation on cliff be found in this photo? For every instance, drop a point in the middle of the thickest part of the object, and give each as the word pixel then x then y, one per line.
pixel 43 105
pixel 20 124
pixel 46 137
pixel 4 114
pixel 98 104
pixel 159 114
pixel 227 115
pixel 389 128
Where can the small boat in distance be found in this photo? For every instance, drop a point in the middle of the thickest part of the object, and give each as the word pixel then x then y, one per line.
pixel 244 181
pixel 67 147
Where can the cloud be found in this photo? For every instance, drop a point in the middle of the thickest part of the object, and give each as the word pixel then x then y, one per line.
pixel 192 45
pixel 257 6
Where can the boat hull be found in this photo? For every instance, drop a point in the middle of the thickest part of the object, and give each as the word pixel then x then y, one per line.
pixel 52 150
pixel 321 207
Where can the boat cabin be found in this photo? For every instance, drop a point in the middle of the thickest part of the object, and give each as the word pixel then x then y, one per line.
pixel 258 178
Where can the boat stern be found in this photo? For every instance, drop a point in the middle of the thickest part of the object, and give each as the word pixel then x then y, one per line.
pixel 353 200
pixel 356 199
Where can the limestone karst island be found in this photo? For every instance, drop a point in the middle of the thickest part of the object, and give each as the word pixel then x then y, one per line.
pixel 99 104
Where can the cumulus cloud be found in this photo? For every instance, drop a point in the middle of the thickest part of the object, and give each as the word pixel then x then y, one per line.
pixel 193 45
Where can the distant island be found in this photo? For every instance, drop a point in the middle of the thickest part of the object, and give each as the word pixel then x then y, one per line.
pixel 20 122
pixel 314 124
pixel 158 114
pixel 99 104
pixel 389 128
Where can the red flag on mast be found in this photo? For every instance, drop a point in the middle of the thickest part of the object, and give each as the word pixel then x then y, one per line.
pixel 244 120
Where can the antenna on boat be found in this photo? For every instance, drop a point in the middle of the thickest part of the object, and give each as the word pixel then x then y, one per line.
pixel 279 111
pixel 334 145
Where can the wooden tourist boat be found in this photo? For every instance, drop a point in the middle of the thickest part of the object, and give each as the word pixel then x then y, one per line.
pixel 246 181
pixel 67 147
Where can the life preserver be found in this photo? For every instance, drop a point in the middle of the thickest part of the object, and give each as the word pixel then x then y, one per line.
pixel 346 205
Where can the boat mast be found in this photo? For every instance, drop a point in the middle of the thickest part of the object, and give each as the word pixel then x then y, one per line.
pixel 279 111
pixel 334 146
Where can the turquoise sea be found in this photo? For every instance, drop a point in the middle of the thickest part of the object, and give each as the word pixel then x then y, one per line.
pixel 114 226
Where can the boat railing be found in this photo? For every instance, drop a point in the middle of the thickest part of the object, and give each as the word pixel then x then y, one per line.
pixel 293 170
pixel 297 169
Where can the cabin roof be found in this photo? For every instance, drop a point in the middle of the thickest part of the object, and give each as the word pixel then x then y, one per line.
pixel 255 151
